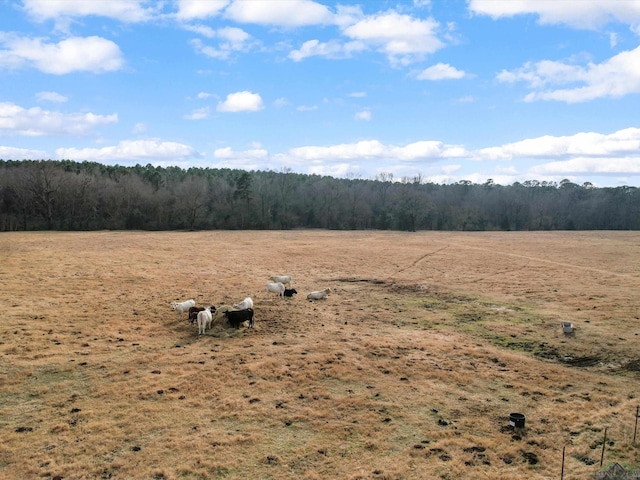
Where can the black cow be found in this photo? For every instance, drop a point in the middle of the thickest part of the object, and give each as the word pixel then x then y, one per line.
pixel 290 292
pixel 236 317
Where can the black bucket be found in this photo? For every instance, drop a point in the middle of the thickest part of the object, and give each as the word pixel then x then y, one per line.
pixel 516 420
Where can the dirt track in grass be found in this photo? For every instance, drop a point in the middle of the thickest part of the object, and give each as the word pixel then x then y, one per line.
pixel 409 369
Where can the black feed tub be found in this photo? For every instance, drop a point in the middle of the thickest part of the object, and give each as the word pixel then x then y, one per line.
pixel 516 420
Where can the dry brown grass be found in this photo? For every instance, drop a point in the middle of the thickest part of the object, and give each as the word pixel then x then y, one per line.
pixel 408 370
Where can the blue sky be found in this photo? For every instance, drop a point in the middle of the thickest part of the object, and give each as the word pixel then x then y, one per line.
pixel 509 90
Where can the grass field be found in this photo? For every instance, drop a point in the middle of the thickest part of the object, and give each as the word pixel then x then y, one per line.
pixel 409 370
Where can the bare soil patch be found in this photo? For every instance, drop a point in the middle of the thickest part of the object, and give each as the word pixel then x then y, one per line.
pixel 408 370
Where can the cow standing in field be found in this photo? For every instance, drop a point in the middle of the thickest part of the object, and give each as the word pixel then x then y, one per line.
pixel 182 307
pixel 277 287
pixel 204 320
pixel 236 317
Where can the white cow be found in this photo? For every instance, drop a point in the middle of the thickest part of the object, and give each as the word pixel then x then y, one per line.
pixel 277 287
pixel 182 307
pixel 244 304
pixel 204 320
pixel 284 279
pixel 319 294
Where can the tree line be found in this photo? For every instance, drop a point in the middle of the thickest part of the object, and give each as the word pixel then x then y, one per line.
pixel 68 195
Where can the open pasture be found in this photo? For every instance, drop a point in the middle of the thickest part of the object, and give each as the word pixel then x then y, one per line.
pixel 408 370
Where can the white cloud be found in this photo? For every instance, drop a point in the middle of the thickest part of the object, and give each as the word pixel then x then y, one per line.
pixel 363 115
pixel 241 102
pixel 466 99
pixel 132 151
pixel 334 170
pixel 582 153
pixel 623 142
pixel 342 160
pixel 441 71
pixel 582 165
pixel 333 49
pixel 234 36
pixel 208 50
pixel 139 128
pixel 252 159
pixel 204 95
pixel 62 11
pixel 203 30
pixel 347 15
pixel 374 149
pixel 192 9
pixel 281 102
pixel 404 39
pixel 91 54
pixel 16 120
pixel 450 169
pixel 358 94
pixel 22 153
pixel 613 39
pixel 282 13
pixel 199 114
pixel 51 97
pixel 306 108
pixel 617 77
pixel 506 170
pixel 576 13
pixel 231 40
pixel 228 153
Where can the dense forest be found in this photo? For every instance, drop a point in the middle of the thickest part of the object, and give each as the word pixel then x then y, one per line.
pixel 67 195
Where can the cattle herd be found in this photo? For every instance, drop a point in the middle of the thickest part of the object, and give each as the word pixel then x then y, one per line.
pixel 240 312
